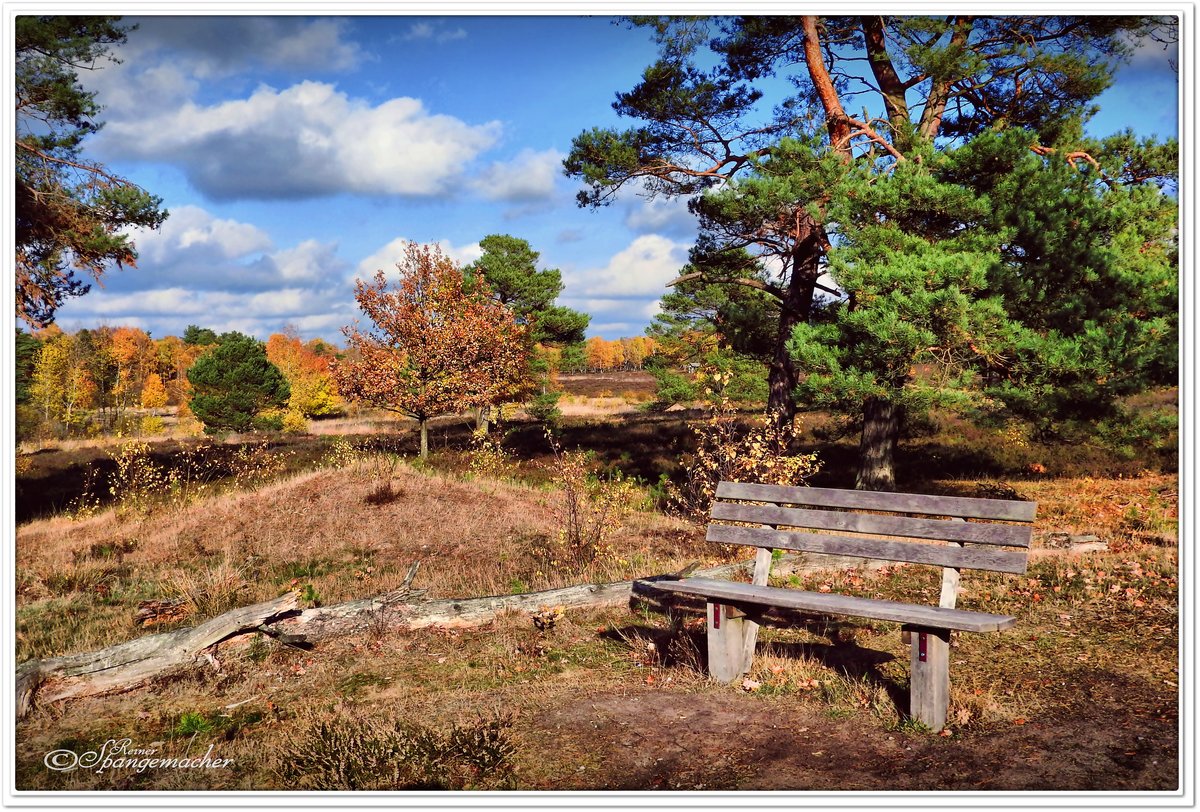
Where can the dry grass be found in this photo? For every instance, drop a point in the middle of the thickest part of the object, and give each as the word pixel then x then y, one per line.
pixel 1094 652
pixel 331 529
pixel 583 406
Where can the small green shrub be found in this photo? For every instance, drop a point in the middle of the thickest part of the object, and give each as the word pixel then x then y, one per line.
pixel 258 650
pixel 192 723
pixel 544 407
pixel 1133 434
pixel 310 596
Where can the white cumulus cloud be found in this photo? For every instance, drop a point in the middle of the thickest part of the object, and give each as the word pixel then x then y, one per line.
pixel 385 258
pixel 527 177
pixel 167 58
pixel 307 140
pixel 192 231
pixel 640 270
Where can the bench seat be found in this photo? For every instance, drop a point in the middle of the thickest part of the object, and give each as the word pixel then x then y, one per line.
pixel 932 617
pixel 952 533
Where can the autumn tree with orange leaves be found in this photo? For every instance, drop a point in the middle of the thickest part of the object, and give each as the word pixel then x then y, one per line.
pixel 313 391
pixel 438 343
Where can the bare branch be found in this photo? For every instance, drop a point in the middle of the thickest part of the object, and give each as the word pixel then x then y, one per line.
pixel 757 284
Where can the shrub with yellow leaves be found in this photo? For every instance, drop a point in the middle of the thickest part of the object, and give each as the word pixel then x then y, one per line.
pixel 728 450
pixel 590 510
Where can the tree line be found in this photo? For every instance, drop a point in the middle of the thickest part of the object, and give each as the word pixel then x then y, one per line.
pixel 109 378
pixel 961 243
pixel 442 339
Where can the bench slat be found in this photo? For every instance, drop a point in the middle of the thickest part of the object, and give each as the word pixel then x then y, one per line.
pixel 1000 509
pixel 975 558
pixel 934 617
pixel 942 529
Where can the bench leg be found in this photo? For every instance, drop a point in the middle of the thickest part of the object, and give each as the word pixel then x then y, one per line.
pixel 728 629
pixel 930 683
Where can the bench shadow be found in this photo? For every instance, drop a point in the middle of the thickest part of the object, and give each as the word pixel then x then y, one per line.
pixel 842 653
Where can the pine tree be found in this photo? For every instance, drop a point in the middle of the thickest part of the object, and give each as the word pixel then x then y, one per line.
pixel 773 183
pixel 509 268
pixel 72 214
pixel 234 383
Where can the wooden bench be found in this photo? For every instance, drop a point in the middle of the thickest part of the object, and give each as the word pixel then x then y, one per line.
pixel 954 533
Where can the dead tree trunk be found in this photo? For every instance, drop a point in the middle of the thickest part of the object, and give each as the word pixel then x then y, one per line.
pixel 133 664
pixel 128 665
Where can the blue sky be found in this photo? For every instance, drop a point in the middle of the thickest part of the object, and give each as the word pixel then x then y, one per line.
pixel 297 154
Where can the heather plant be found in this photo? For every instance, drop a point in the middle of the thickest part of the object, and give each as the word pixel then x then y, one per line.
pixel 349 751
pixel 730 451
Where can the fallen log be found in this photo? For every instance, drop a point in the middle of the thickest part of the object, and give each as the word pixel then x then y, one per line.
pixel 130 665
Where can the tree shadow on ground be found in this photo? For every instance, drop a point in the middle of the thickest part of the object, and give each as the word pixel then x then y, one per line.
pixel 676 645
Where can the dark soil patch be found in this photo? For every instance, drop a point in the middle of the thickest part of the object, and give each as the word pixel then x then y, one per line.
pixel 704 741
pixel 609 384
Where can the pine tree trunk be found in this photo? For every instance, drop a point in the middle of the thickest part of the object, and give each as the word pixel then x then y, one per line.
pixel 795 308
pixel 424 438
pixel 876 449
pixel 781 376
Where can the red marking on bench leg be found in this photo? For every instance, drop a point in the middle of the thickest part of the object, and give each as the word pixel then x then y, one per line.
pixel 716 615
pixel 930 677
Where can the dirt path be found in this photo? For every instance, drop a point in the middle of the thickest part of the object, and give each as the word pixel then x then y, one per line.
pixel 681 741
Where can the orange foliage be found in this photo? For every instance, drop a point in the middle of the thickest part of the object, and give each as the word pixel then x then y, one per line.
pixel 174 358
pixel 136 357
pixel 313 391
pixel 154 394
pixel 438 342
pixel 623 353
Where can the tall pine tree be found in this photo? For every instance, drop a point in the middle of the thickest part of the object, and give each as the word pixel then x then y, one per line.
pixel 767 174
pixel 72 214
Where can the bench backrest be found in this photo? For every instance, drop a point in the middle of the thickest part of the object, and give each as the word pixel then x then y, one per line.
pixel 918 528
